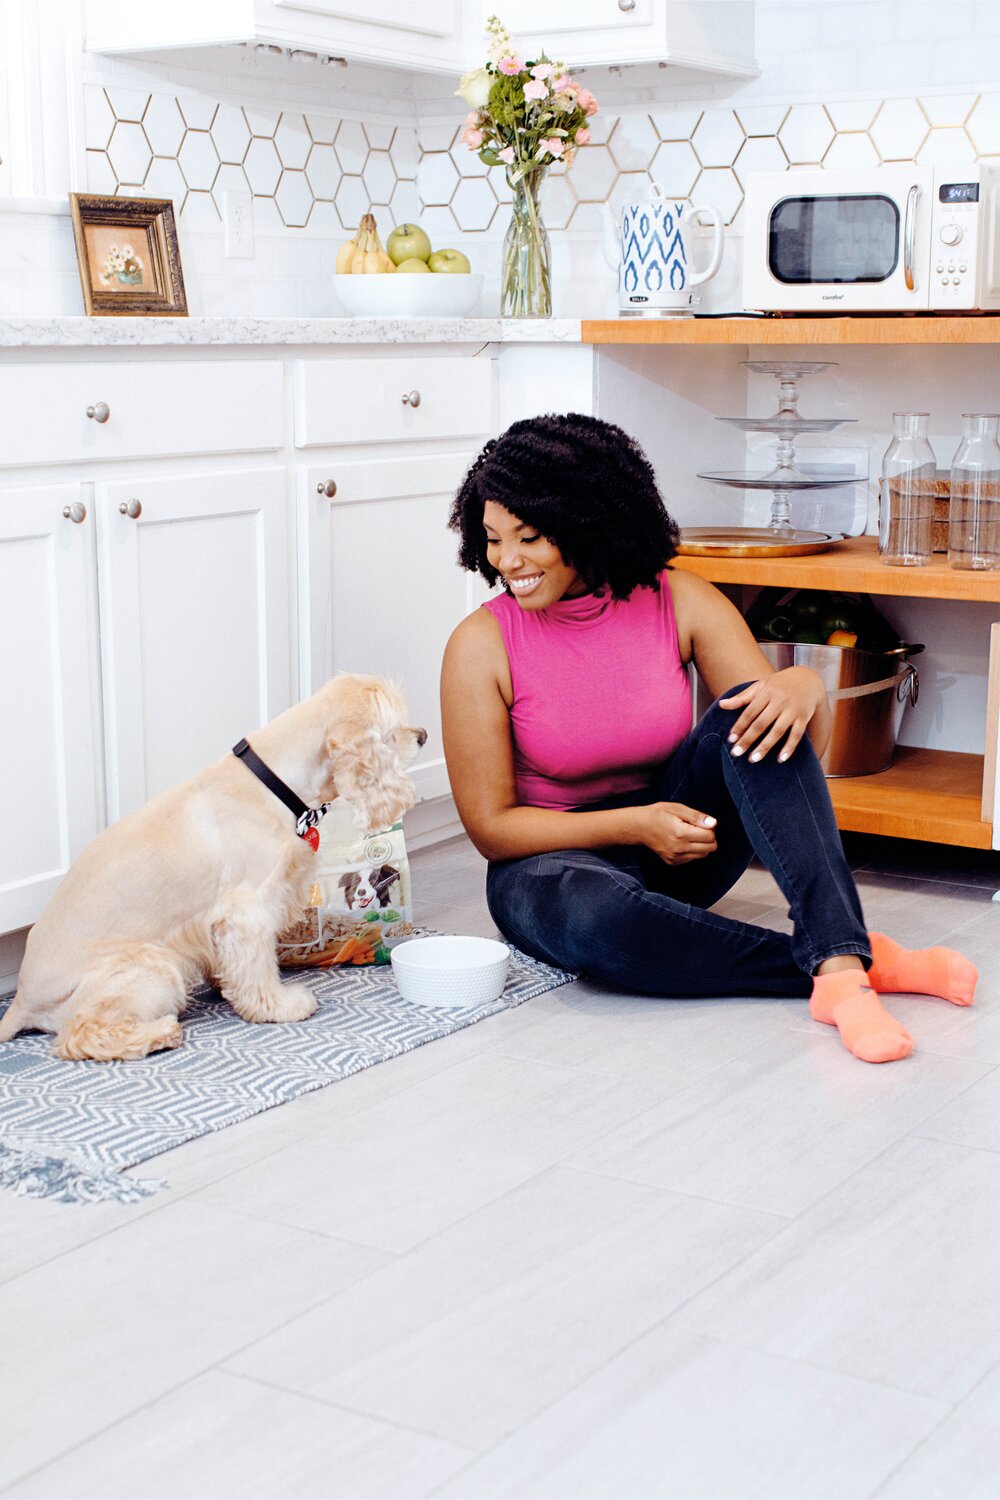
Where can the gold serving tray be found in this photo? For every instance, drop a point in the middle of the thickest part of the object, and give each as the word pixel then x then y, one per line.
pixel 746 541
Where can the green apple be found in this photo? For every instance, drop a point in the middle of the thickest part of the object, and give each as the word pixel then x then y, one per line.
pixel 413 264
pixel 450 260
pixel 406 242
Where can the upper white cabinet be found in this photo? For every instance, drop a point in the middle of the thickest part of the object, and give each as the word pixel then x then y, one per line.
pixel 443 36
pixel 709 35
pixel 426 37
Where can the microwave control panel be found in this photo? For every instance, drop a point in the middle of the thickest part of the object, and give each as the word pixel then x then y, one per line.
pixel 954 242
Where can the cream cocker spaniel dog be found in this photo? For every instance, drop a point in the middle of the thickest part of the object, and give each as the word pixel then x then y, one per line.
pixel 198 883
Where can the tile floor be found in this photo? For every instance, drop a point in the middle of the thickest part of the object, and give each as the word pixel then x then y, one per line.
pixel 595 1246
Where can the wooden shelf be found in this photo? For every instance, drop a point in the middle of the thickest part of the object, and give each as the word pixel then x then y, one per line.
pixel 927 328
pixel 935 795
pixel 925 794
pixel 854 567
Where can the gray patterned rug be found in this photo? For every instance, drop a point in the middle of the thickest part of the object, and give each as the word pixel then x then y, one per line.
pixel 68 1130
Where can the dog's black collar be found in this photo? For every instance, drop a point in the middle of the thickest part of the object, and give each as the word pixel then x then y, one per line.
pixel 305 817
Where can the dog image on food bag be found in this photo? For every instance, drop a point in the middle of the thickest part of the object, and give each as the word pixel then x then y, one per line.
pixel 198 883
pixel 359 905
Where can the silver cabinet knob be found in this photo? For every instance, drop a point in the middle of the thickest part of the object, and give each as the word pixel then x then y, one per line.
pixel 131 508
pixel 327 488
pixel 626 5
pixel 411 398
pixel 76 512
pixel 100 413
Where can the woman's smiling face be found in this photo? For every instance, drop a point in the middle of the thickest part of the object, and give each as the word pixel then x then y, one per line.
pixel 528 562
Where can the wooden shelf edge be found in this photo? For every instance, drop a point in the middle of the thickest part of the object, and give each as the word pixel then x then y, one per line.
pixel 979 328
pixel 854 567
pixel 932 795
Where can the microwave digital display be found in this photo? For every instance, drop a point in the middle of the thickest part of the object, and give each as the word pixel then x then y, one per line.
pixel 958 192
pixel 841 238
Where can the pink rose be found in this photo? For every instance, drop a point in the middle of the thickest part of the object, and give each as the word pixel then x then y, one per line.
pixel 582 136
pixel 542 70
pixel 553 145
pixel 536 89
pixel 472 119
pixel 506 155
pixel 587 102
pixel 512 66
pixel 472 138
pixel 564 81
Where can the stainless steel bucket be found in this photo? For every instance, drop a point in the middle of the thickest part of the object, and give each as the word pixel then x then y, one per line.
pixel 868 691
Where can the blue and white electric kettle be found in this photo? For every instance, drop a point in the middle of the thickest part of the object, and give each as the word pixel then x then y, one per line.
pixel 646 246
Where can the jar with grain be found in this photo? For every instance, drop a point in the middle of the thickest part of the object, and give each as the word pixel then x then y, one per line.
pixel 906 498
pixel 974 520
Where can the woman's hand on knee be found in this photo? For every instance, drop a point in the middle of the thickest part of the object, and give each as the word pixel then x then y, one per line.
pixel 676 833
pixel 774 709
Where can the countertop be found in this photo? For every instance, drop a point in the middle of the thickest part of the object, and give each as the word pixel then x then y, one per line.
pixel 77 332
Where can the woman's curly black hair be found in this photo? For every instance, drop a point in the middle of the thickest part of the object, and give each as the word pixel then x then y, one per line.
pixel 586 486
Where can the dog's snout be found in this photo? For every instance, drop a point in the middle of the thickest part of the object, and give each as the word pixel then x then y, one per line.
pixel 421 737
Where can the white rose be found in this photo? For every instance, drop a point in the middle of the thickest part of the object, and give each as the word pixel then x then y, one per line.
pixel 474 87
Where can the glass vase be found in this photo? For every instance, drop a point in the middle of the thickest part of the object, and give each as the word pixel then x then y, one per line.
pixel 974 506
pixel 526 287
pixel 906 497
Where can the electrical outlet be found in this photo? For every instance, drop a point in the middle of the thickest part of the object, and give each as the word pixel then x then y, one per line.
pixel 237 214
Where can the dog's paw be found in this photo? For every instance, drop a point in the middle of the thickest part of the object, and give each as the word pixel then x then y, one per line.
pixel 296 1002
pixel 167 1034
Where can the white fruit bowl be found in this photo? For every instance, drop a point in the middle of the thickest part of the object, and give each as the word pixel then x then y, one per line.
pixel 450 973
pixel 401 294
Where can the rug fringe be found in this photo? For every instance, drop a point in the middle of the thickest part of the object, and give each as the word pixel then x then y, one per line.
pixel 33 1174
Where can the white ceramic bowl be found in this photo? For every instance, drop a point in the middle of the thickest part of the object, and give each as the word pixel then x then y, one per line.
pixel 439 294
pixel 450 973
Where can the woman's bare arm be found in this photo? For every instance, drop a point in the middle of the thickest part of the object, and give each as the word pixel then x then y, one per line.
pixel 712 632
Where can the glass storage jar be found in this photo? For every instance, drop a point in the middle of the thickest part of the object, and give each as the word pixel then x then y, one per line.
pixel 974 507
pixel 906 497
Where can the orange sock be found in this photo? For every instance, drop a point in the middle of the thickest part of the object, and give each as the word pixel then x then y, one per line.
pixel 921 971
pixel 846 1000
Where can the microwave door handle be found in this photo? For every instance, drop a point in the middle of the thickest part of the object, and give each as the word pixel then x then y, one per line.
pixel 909 235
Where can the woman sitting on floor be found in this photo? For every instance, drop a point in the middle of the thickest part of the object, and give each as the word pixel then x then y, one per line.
pixel 611 826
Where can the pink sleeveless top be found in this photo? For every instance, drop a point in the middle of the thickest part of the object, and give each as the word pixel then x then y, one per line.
pixel 601 697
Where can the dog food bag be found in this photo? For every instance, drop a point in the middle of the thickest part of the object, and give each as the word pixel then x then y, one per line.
pixel 360 903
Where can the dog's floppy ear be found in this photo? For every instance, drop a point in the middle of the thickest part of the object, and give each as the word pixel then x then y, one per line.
pixel 365 760
pixel 349 881
pixel 385 876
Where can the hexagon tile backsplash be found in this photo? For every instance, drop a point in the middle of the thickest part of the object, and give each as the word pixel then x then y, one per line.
pixel 318 170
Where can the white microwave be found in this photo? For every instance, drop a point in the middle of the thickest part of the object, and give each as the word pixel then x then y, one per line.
pixel 877 240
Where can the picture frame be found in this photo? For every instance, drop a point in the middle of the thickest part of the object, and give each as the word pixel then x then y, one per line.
pixel 128 255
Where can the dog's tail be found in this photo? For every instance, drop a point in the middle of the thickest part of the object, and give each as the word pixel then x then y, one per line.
pixel 12 1020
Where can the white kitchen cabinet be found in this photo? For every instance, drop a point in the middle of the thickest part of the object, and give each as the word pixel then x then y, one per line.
pixel 425 37
pixel 392 400
pixel 195 620
pixel 49 801
pixel 711 35
pixel 380 588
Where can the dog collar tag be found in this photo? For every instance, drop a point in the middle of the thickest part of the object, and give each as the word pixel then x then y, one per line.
pixel 311 836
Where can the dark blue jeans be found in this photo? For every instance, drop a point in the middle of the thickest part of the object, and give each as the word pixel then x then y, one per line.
pixel 622 917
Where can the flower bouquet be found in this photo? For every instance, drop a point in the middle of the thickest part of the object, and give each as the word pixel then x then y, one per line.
pixel 526 114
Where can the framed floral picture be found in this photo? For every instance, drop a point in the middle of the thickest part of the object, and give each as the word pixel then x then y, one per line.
pixel 128 256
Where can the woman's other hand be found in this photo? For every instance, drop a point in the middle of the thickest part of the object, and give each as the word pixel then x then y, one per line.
pixel 676 833
pixel 775 709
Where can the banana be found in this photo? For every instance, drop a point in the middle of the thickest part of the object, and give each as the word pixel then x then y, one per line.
pixel 358 258
pixel 345 255
pixel 364 254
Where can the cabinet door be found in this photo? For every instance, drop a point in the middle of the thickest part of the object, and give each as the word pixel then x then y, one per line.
pixel 380 589
pixel 48 692
pixel 425 35
pixel 712 35
pixel 195 623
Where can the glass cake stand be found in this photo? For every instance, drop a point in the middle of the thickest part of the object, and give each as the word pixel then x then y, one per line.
pixel 785 477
